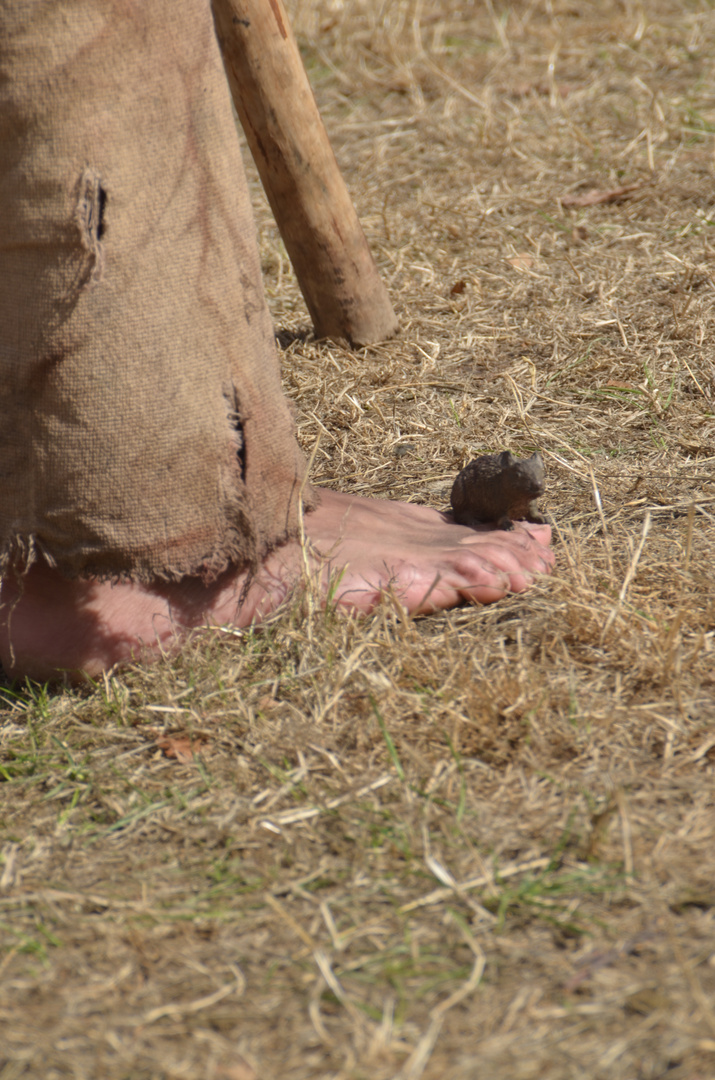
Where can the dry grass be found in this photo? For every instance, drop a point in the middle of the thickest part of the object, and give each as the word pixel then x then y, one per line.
pixel 474 846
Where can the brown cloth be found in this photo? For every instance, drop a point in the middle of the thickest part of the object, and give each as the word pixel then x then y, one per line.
pixel 143 432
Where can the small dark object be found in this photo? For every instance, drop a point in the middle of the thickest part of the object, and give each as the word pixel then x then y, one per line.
pixel 499 487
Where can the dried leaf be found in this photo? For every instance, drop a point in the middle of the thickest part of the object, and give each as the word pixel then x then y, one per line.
pixel 522 262
pixel 180 747
pixel 596 196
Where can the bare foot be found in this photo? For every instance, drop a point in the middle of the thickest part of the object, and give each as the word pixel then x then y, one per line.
pixel 49 625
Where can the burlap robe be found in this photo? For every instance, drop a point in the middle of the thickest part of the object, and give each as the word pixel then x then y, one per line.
pixel 143 432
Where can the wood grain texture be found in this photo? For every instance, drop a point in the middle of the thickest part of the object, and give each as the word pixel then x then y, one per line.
pixel 345 296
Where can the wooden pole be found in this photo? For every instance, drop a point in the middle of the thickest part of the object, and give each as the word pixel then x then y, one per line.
pixel 315 215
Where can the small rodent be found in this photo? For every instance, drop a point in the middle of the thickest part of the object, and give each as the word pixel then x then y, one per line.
pixel 497 488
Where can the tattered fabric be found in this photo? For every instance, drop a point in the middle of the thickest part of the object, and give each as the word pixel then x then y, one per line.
pixel 143 430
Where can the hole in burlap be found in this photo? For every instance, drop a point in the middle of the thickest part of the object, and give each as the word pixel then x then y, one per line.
pixel 91 206
pixel 234 419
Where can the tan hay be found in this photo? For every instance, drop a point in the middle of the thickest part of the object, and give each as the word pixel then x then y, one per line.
pixel 517 730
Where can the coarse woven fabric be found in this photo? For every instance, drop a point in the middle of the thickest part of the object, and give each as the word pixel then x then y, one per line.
pixel 144 433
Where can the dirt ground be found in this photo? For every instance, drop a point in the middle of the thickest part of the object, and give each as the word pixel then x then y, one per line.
pixel 474 846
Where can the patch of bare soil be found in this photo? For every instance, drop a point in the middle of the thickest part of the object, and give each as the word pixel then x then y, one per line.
pixel 474 846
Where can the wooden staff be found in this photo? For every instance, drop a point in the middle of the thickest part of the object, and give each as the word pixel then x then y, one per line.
pixel 315 215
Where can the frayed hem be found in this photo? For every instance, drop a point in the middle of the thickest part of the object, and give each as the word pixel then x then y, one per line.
pixel 21 553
